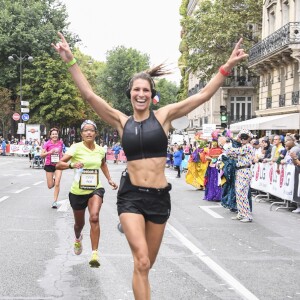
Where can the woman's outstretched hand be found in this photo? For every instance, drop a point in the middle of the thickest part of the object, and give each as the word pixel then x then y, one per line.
pixel 237 55
pixel 63 49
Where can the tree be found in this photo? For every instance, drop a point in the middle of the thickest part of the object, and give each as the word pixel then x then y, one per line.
pixel 29 27
pixel 168 92
pixel 213 30
pixel 121 64
pixel 6 108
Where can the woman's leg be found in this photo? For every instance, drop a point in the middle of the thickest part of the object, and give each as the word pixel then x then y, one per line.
pixel 94 206
pixel 57 175
pixel 79 222
pixel 50 180
pixel 154 236
pixel 144 240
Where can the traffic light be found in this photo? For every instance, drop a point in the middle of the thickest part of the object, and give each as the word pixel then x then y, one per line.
pixel 223 116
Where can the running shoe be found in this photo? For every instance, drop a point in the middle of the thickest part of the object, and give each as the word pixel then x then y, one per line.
pixel 78 245
pixel 54 204
pixel 120 228
pixel 237 217
pixel 94 262
pixel 296 211
pixel 246 220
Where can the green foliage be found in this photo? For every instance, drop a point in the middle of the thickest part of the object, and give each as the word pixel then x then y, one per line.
pixel 6 109
pixel 214 29
pixel 53 98
pixel 121 64
pixel 167 91
pixel 28 28
pixel 184 49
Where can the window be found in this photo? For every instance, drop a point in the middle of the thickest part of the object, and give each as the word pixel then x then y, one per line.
pixel 240 108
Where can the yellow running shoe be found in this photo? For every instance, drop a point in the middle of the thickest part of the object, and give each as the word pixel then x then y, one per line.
pixel 78 245
pixel 94 262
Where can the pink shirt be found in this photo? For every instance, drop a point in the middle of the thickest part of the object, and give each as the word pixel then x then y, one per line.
pixel 48 146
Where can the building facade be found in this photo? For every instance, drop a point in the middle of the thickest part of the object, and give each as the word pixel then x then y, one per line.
pixel 276 58
pixel 238 94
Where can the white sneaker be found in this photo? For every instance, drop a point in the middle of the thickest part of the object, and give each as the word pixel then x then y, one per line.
pixel 296 211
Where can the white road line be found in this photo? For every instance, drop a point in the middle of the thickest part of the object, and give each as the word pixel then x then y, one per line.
pixel 4 198
pixel 211 212
pixel 23 189
pixel 39 182
pixel 64 205
pixel 24 174
pixel 218 270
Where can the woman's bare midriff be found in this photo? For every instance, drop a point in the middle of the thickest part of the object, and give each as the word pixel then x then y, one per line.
pixel 148 172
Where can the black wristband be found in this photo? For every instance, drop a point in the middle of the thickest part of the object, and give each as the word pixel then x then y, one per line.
pixel 70 166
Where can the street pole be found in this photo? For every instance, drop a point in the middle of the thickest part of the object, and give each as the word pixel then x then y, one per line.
pixel 19 59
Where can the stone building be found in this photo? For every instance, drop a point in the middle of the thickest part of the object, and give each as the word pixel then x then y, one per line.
pixel 238 94
pixel 276 58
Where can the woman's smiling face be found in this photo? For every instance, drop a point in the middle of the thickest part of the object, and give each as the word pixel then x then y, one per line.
pixel 140 94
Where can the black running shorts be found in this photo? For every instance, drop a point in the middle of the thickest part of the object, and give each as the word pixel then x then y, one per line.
pixel 154 204
pixel 49 168
pixel 79 202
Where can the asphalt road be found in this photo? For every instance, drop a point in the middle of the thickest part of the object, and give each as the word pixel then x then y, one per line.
pixel 204 254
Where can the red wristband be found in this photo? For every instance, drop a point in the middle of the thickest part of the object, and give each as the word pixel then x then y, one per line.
pixel 224 72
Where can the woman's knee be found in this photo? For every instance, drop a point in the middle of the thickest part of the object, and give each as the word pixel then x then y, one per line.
pixel 142 264
pixel 94 218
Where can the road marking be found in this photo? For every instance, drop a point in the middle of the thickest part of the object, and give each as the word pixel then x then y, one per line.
pixel 218 270
pixel 39 182
pixel 4 198
pixel 24 174
pixel 211 212
pixel 64 205
pixel 23 189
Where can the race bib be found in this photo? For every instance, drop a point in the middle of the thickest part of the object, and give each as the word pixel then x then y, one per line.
pixel 89 179
pixel 54 158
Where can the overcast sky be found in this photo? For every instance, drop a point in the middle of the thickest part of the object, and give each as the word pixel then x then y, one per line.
pixel 149 26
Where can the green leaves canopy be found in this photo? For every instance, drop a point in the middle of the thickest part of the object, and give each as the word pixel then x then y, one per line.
pixel 213 30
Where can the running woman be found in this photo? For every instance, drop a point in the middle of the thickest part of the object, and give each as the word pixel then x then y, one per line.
pixel 86 158
pixel 52 152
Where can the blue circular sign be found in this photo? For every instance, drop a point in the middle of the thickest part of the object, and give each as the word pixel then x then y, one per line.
pixel 25 117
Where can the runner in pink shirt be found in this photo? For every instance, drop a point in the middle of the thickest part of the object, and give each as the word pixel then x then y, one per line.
pixel 52 152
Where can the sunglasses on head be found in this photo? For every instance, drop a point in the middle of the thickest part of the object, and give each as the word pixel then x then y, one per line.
pixel 244 136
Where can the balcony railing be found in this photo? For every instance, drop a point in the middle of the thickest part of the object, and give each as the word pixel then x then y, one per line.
pixel 288 34
pixel 295 98
pixel 281 100
pixel 269 103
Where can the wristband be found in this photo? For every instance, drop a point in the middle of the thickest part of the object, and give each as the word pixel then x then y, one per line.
pixel 70 166
pixel 71 62
pixel 224 72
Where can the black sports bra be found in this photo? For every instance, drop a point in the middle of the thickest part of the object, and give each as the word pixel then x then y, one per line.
pixel 144 139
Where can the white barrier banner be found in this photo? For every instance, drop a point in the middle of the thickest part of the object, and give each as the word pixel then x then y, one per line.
pixel 20 149
pixel 267 179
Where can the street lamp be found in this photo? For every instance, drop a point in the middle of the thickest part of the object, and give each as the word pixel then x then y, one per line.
pixel 14 58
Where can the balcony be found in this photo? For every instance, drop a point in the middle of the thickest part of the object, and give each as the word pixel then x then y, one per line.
pixel 239 118
pixel 295 98
pixel 281 100
pixel 277 42
pixel 269 102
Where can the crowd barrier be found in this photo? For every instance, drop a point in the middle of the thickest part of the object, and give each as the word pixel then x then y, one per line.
pixel 283 185
pixel 18 149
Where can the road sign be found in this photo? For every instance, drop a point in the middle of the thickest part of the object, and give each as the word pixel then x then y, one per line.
pixel 25 117
pixel 16 116
pixel 24 109
pixel 25 103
